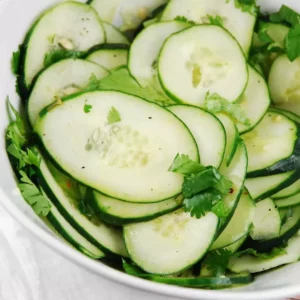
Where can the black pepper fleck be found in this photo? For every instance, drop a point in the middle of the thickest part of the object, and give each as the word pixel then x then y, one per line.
pixel 83 167
pixel 150 118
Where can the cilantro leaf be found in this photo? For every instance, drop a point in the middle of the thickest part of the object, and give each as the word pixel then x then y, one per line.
pixel 217 261
pixel 56 55
pixel 92 85
pixel 217 20
pixel 15 61
pixel 286 15
pixel 266 255
pixel 133 270
pixel 184 19
pixel 292 43
pixel 120 80
pixel 87 108
pixel 113 116
pixel 223 185
pixel 202 203
pixel 215 104
pixel 34 196
pixel 248 6
pixel 220 209
pixel 182 164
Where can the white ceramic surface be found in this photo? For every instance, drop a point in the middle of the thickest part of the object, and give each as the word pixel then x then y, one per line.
pixel 15 18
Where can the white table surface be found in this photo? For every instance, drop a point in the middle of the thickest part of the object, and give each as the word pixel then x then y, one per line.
pixel 29 270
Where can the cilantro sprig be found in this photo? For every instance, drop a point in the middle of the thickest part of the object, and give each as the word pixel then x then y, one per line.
pixel 203 188
pixel 216 262
pixel 113 116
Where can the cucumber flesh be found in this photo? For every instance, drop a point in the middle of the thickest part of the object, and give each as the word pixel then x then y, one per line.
pixel 134 155
pixel 102 236
pixel 261 188
pixel 201 66
pixel 113 35
pixel 232 138
pixel 248 263
pixel 290 113
pixel 255 101
pixel 145 50
pixel 270 142
pixel 207 130
pixel 285 89
pixel 290 107
pixel 71 26
pixel 266 222
pixel 177 241
pixel 117 212
pixel 61 79
pixel 240 24
pixel 109 58
pixel 289 202
pixel 288 192
pixel 65 230
pixel 239 224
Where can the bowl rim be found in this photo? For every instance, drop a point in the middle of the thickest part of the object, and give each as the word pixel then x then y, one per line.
pixel 122 278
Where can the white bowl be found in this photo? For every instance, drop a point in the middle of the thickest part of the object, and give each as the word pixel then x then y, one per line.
pixel 15 18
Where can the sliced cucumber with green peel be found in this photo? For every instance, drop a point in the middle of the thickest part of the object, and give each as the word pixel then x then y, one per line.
pixel 239 23
pixel 240 223
pixel 208 59
pixel 134 155
pixel 236 172
pixel 69 26
pixel 66 77
pixel 290 107
pixel 277 32
pixel 285 89
pixel 113 35
pixel 236 245
pixel 288 192
pixel 255 101
pixel 116 212
pixel 261 188
pixel 177 241
pixel 289 113
pixel 203 127
pixel 252 264
pixel 289 202
pixel 109 58
pixel 145 50
pixel 65 230
pixel 271 143
pixel 99 234
pixel 266 222
pixel 287 230
pixel 126 15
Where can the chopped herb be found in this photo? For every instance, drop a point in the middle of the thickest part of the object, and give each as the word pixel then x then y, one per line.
pixel 113 116
pixel 286 15
pixel 92 85
pixel 15 61
pixel 216 104
pixel 266 255
pixel 217 261
pixel 87 108
pixel 292 43
pixel 56 55
pixel 184 19
pixel 217 20
pixel 182 164
pixel 248 6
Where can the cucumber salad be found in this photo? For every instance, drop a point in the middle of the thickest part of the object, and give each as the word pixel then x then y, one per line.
pixel 162 137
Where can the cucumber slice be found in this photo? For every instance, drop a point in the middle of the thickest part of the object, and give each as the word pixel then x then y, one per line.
pixel 207 130
pixel 287 230
pixel 102 236
pixel 70 26
pixel 66 231
pixel 270 143
pixel 175 241
pixel 240 24
pixel 248 263
pixel 290 107
pixel 289 202
pixel 61 79
pixel 109 58
pixel 277 32
pixel 116 212
pixel 236 172
pixel 113 35
pixel 232 138
pixel 293 116
pixel 126 15
pixel 208 59
pixel 134 155
pixel 266 222
pixel 255 101
pixel 288 192
pixel 239 224
pixel 261 188
pixel 145 51
pixel 285 89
